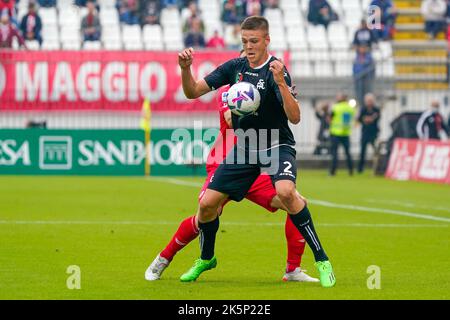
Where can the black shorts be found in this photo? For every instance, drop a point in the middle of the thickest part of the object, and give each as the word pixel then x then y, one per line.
pixel 235 176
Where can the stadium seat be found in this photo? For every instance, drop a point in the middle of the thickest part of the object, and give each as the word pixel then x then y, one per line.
pixel 323 69
pixel 316 37
pixel 351 6
pixel 211 27
pixel 296 36
pixel 293 17
pixel 170 17
pixel 174 46
pixel 320 55
pixel 50 33
pixel 21 12
pixel 92 45
pixel 172 35
pixel 304 6
pixel 71 45
pixel 275 17
pixel 277 37
pixel 112 44
pixel 385 68
pixel 107 4
pixel 32 44
pixel 337 33
pixel 69 16
pixel 152 36
pixel 301 69
pixel 48 16
pixel 63 4
pixel 386 49
pixel 343 68
pixel 132 37
pixel 70 38
pixel 50 45
pixel 109 16
pixel 289 5
pixel 353 19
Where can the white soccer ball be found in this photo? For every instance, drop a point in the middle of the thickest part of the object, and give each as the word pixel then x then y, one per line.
pixel 243 98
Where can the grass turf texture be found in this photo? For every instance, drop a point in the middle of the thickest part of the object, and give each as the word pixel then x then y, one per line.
pixel 112 228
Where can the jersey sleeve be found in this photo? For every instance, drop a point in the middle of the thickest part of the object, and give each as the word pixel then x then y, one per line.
pixel 287 78
pixel 220 76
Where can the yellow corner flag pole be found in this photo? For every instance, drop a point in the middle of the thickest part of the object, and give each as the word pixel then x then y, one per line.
pixel 145 125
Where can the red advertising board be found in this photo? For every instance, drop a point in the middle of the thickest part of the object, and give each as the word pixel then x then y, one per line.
pixel 101 80
pixel 422 160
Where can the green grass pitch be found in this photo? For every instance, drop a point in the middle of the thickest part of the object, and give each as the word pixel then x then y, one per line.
pixel 112 228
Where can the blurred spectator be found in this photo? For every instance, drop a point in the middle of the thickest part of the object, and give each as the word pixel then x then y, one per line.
pixel 80 3
pixel 321 12
pixel 129 11
pixel 36 124
pixel 8 6
pixel 185 3
pixel 434 12
pixel 195 38
pixel 448 126
pixel 323 114
pixel 170 3
pixel 188 25
pixel 90 24
pixel 253 8
pixel 216 41
pixel 387 19
pixel 47 3
pixel 190 11
pixel 8 32
pixel 342 115
pixel 233 11
pixel 233 37
pixel 273 4
pixel 431 123
pixel 364 36
pixel 368 117
pixel 151 10
pixel 363 73
pixel 31 25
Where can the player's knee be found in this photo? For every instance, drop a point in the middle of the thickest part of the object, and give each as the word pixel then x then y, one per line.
pixel 287 194
pixel 207 208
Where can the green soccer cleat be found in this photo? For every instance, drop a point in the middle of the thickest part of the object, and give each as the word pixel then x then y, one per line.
pixel 327 278
pixel 198 268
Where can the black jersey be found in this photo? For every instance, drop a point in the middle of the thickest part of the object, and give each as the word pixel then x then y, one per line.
pixel 270 114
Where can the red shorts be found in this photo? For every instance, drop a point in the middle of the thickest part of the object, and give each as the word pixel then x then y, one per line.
pixel 261 192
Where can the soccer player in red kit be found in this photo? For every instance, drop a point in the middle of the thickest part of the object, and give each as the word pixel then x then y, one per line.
pixel 262 193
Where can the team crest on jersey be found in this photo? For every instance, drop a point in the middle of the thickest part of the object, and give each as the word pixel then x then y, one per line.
pixel 261 85
pixel 239 77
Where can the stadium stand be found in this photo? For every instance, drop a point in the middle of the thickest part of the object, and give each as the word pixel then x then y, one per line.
pixel 408 64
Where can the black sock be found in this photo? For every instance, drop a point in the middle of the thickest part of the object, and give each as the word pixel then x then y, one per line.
pixel 208 232
pixel 304 224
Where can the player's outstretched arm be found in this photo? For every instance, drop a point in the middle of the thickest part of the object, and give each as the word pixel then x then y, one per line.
pixel 290 104
pixel 191 87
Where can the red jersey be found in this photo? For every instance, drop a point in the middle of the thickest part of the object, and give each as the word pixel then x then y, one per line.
pixel 225 140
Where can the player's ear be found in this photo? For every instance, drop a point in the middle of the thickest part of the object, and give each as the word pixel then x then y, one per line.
pixel 267 40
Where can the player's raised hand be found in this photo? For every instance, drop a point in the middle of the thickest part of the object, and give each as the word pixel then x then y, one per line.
pixel 277 68
pixel 185 58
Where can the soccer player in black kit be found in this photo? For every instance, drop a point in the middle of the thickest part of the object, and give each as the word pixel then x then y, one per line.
pixel 274 146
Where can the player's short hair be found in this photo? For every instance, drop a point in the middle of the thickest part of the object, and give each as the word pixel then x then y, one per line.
pixel 255 23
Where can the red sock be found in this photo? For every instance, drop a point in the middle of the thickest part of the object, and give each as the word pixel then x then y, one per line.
pixel 187 231
pixel 295 245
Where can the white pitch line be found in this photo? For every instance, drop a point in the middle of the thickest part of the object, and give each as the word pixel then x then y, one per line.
pixel 257 224
pixel 331 204
pixel 409 204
